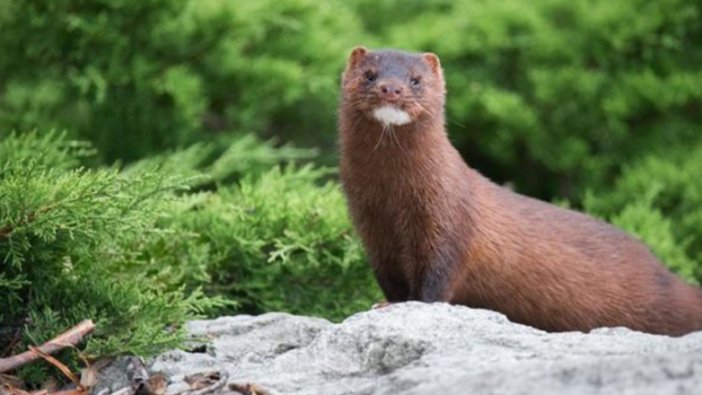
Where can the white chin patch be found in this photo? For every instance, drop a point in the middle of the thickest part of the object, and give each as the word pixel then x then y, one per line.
pixel 390 115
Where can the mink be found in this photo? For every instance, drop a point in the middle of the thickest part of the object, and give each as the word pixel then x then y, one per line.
pixel 436 230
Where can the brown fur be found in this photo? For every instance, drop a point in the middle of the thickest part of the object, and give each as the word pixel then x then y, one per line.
pixel 436 230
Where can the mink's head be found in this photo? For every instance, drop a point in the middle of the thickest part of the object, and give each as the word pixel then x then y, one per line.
pixel 393 87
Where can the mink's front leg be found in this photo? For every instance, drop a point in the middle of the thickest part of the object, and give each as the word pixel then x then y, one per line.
pixel 433 273
pixel 391 281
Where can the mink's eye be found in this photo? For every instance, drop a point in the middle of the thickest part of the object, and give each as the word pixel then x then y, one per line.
pixel 370 76
pixel 415 81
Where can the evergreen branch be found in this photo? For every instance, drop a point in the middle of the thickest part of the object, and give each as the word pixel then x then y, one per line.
pixel 7 230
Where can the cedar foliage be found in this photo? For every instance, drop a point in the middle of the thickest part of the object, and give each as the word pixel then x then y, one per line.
pixel 143 249
pixel 551 95
pixel 75 244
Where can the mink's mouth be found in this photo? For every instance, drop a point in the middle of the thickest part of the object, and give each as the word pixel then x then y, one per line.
pixel 389 114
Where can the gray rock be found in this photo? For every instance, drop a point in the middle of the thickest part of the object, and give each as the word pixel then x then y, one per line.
pixel 415 348
pixel 121 375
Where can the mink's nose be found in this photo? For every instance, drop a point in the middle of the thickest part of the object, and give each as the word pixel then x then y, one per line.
pixel 390 91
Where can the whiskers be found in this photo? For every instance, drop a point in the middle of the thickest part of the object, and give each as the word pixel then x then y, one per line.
pixel 427 111
pixel 393 139
pixel 396 139
pixel 383 132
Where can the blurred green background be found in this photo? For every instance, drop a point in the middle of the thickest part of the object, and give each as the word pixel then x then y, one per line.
pixel 204 135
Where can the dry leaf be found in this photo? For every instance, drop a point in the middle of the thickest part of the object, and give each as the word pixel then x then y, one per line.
pixel 157 383
pixel 202 380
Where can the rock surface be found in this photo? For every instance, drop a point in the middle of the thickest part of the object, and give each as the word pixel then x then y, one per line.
pixel 414 348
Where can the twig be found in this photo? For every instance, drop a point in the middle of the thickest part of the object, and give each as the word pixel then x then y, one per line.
pixel 63 368
pixel 213 388
pixel 205 383
pixel 15 337
pixel 250 389
pixel 69 338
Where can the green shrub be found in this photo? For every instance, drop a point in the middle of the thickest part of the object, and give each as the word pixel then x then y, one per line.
pixel 140 76
pixel 73 246
pixel 138 250
pixel 551 95
pixel 224 161
pixel 275 240
pixel 283 242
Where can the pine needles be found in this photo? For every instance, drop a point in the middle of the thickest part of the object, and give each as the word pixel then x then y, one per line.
pixel 73 246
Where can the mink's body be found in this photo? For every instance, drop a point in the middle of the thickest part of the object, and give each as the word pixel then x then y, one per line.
pixel 436 230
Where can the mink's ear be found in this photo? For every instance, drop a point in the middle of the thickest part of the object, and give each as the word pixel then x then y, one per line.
pixel 357 54
pixel 433 62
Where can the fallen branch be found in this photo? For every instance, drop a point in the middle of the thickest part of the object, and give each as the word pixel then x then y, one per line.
pixel 67 339
pixel 60 366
